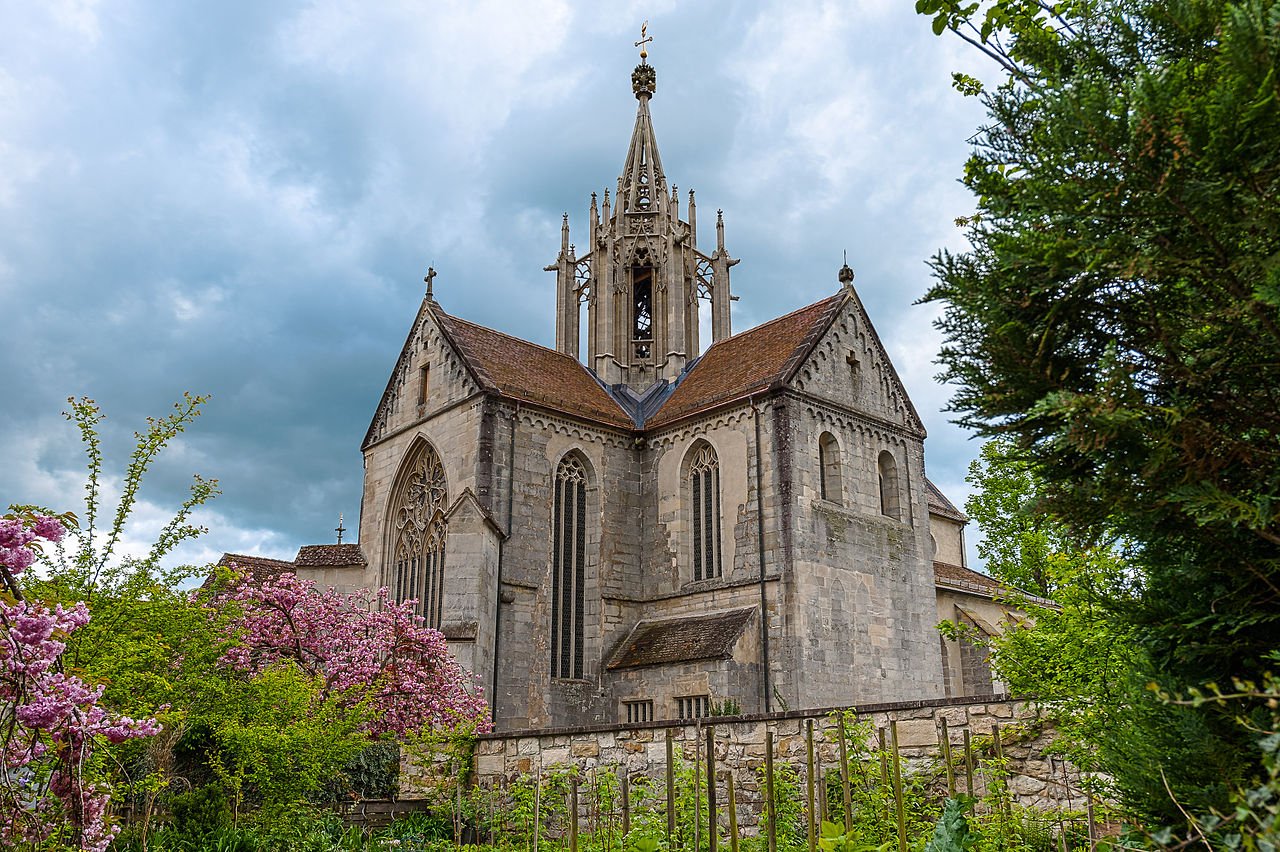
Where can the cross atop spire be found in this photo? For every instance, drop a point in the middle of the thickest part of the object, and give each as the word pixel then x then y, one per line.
pixel 644 40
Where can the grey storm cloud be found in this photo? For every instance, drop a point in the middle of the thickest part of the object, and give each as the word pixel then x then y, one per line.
pixel 241 199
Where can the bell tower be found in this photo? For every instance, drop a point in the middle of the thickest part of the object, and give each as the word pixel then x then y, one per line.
pixel 643 277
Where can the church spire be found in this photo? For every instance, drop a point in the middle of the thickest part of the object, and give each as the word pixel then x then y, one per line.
pixel 642 180
pixel 642 278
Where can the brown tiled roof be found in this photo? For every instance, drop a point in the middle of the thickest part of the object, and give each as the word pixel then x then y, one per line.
pixel 944 573
pixel 748 363
pixel 259 567
pixel 968 580
pixel 329 555
pixel 532 373
pixel 679 640
pixel 940 505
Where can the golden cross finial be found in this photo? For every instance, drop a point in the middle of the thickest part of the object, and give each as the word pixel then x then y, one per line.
pixel 644 39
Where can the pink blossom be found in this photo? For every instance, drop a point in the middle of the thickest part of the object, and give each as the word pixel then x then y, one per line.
pixel 56 720
pixel 368 651
pixel 49 528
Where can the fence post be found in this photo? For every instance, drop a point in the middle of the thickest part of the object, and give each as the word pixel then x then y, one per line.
pixel 537 804
pixel 697 786
pixel 671 789
pixel 626 802
pixel 573 813
pixel 944 740
pixel 769 806
pixel 968 762
pixel 884 768
pixel 844 774
pixel 808 773
pixel 711 788
pixel 733 816
pixel 897 788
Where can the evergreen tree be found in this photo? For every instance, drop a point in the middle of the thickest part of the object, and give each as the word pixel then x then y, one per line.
pixel 1117 318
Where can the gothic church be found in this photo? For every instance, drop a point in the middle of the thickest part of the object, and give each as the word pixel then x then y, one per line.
pixel 654 534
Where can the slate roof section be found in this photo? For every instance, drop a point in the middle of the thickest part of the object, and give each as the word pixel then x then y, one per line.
pixel 682 640
pixel 752 362
pixel 940 505
pixel 525 371
pixel 329 556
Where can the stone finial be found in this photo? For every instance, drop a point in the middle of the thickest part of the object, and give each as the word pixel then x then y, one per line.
pixel 430 277
pixel 340 529
pixel 846 273
pixel 644 81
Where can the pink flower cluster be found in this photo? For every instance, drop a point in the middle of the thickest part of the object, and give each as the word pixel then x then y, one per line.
pixel 368 650
pixel 54 718
pixel 15 538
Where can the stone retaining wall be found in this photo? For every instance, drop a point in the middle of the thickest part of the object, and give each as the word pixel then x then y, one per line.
pixel 1036 779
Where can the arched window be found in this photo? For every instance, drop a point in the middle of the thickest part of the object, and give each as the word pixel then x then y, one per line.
pixel 888 468
pixel 704 494
pixel 418 533
pixel 829 484
pixel 568 567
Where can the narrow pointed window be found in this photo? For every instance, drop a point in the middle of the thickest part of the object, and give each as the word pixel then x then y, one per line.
pixel 418 535
pixel 704 502
pixel 642 312
pixel 829 484
pixel 568 568
pixel 888 471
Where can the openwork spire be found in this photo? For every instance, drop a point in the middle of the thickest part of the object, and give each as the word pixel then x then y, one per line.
pixel 642 177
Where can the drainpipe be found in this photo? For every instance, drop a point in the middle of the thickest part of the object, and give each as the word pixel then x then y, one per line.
pixel 497 603
pixel 765 686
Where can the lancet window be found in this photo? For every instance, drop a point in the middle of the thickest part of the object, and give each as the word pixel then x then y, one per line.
pixel 704 493
pixel 569 568
pixel 418 533
pixel 642 311
pixel 829 468
pixel 888 471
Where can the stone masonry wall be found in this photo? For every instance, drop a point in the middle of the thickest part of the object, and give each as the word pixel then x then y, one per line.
pixel 1035 779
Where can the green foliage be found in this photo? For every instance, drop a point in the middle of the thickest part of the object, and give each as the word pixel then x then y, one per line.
pixel 952 832
pixel 278 736
pixel 1116 319
pixel 200 812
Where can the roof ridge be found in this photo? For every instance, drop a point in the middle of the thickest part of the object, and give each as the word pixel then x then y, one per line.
pixel 230 556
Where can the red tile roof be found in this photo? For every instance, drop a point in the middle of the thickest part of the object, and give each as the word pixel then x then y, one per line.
pixel 259 568
pixel 531 373
pixel 748 363
pixel 329 556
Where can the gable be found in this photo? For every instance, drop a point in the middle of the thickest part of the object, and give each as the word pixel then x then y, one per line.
pixel 449 377
pixel 848 366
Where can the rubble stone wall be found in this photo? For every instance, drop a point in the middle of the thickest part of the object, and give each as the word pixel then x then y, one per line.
pixel 1035 778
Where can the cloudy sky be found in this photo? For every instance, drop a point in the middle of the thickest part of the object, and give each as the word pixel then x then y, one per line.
pixel 240 199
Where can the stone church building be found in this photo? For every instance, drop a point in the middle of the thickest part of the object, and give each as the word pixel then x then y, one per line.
pixel 622 530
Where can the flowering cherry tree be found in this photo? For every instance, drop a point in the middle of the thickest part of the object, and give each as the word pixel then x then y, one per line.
pixel 369 652
pixel 50 721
